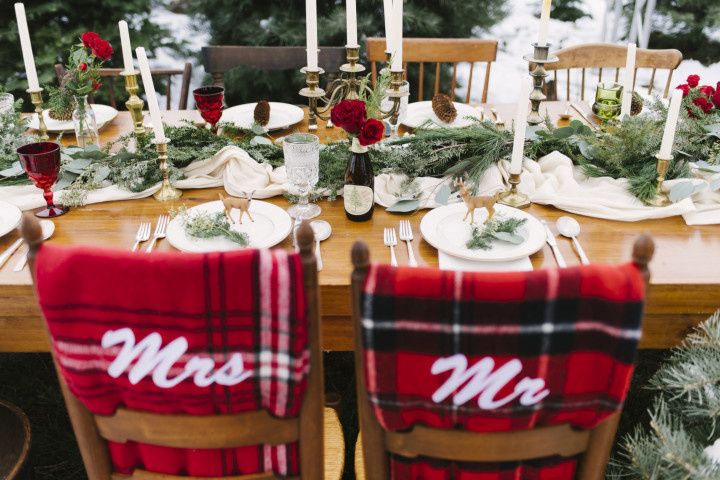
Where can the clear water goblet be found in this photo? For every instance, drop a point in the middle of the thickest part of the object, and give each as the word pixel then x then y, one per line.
pixel 302 164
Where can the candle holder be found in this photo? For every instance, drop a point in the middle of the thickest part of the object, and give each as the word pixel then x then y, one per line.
pixel 134 103
pixel 167 191
pixel 539 58
pixel 661 199
pixel 513 197
pixel 37 100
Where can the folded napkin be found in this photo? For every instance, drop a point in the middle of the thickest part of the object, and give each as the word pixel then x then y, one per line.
pixel 448 262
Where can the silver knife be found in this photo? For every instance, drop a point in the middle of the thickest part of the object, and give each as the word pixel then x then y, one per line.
pixel 554 246
pixel 11 249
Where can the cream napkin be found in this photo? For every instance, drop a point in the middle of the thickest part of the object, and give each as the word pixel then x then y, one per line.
pixel 448 262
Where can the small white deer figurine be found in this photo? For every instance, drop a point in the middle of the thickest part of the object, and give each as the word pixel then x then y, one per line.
pixel 473 203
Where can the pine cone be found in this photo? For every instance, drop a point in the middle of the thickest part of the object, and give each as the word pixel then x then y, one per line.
pixel 444 108
pixel 262 113
pixel 637 104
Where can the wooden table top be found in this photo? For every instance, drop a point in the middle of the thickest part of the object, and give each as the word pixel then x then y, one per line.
pixel 685 270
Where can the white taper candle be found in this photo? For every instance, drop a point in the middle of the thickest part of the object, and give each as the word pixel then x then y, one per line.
pixel 311 34
pixel 671 124
pixel 544 22
pixel 26 46
pixel 518 152
pixel 351 22
pixel 397 31
pixel 126 48
pixel 155 116
pixel 388 6
pixel 629 79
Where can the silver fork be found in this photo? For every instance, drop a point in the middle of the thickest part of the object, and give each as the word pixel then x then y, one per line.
pixel 160 230
pixel 143 235
pixel 391 241
pixel 406 235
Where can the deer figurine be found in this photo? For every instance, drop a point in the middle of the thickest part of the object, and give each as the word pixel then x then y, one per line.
pixel 242 204
pixel 473 203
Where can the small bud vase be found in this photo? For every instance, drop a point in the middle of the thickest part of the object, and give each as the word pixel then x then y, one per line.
pixel 86 130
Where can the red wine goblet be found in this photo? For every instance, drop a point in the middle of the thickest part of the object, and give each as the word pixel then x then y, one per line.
pixel 41 162
pixel 209 101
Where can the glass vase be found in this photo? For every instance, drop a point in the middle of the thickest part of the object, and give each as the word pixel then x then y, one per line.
pixel 86 130
pixel 608 101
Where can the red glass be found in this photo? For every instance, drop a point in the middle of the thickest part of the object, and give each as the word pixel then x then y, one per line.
pixel 209 101
pixel 41 162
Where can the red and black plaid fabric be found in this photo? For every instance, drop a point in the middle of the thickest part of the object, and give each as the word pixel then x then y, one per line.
pixel 576 329
pixel 214 333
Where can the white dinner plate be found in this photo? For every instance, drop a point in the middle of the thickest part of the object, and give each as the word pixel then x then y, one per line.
pixel 104 114
pixel 271 226
pixel 444 229
pixel 419 113
pixel 282 115
pixel 10 216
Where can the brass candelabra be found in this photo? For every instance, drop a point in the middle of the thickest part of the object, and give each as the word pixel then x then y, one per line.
pixel 513 197
pixel 539 58
pixel 347 87
pixel 167 191
pixel 661 199
pixel 37 100
pixel 134 103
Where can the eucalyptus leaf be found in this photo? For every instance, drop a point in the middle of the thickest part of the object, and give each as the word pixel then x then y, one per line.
pixel 564 132
pixel 258 129
pixel 683 190
pixel 78 165
pixel 513 238
pixel 101 173
pixel 532 132
pixel 64 180
pixel 404 206
pixel 713 130
pixel 703 165
pixel 443 195
pixel 14 170
pixel 260 140
pixel 715 185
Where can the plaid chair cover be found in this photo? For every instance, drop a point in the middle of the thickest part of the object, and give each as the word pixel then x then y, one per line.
pixel 498 352
pixel 245 311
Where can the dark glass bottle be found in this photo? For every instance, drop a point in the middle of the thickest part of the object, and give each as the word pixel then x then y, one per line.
pixel 359 190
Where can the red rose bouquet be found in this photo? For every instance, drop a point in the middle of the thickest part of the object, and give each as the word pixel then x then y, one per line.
pixel 82 72
pixel 700 100
pixel 351 116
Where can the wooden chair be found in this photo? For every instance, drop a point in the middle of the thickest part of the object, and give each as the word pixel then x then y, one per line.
pixel 110 74
pixel 15 439
pixel 219 59
pixel 229 430
pixel 606 56
pixel 439 51
pixel 373 445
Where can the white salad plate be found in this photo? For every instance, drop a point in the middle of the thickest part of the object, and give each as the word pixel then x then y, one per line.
pixel 271 226
pixel 282 115
pixel 444 229
pixel 104 114
pixel 419 113
pixel 10 216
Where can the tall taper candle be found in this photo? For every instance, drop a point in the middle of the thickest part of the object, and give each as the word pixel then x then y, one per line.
pixel 126 48
pixel 518 152
pixel 155 116
pixel 311 33
pixel 388 5
pixel 351 19
pixel 26 46
pixel 629 79
pixel 671 125
pixel 397 30
pixel 544 22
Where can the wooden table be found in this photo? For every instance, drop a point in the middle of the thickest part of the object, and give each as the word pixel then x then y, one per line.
pixel 685 271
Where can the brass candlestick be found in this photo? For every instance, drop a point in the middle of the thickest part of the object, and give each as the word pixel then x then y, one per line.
pixel 134 103
pixel 313 92
pixel 513 197
pixel 539 58
pixel 661 199
pixel 167 191
pixel 37 100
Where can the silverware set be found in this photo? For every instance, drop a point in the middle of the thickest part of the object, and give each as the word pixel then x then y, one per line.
pixel 406 235
pixel 47 228
pixel 143 233
pixel 569 228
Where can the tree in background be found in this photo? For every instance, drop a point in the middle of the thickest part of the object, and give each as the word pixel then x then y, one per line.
pixel 282 22
pixel 687 25
pixel 568 10
pixel 55 25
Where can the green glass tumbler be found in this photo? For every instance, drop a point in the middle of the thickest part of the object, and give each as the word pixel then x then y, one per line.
pixel 608 101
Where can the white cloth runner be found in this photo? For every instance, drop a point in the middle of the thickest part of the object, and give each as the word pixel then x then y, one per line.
pixel 448 262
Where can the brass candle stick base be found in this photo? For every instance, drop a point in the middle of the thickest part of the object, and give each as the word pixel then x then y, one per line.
pixel 352 68
pixel 539 58
pixel 167 191
pixel 661 199
pixel 312 92
pixel 134 103
pixel 37 100
pixel 513 197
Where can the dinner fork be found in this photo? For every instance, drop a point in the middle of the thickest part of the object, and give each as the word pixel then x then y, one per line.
pixel 391 241
pixel 160 230
pixel 406 235
pixel 143 235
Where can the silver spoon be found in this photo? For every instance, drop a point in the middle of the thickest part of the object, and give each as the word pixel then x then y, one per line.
pixel 322 231
pixel 48 228
pixel 570 228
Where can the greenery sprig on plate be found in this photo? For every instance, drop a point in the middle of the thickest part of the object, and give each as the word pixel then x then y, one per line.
pixel 497 228
pixel 206 225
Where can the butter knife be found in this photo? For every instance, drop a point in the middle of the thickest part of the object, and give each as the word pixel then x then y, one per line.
pixel 554 246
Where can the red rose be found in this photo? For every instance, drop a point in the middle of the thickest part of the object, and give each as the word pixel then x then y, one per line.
pixel 83 67
pixel 716 98
pixel 693 80
pixel 704 104
pixel 89 39
pixel 96 85
pixel 372 132
pixel 685 89
pixel 707 90
pixel 349 115
pixel 102 49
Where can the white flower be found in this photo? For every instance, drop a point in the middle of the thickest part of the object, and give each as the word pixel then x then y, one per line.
pixel 713 451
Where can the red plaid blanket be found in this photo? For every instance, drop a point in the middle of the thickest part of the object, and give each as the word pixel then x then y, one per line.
pixel 498 352
pixel 181 333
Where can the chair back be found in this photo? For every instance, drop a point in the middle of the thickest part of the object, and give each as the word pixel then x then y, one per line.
pixel 516 375
pixel 206 365
pixel 610 57
pixel 439 51
pixel 219 59
pixel 111 74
